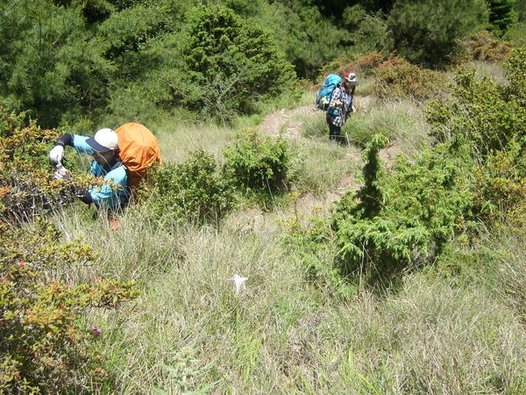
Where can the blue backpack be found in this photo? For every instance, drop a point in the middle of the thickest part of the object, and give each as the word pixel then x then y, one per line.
pixel 324 94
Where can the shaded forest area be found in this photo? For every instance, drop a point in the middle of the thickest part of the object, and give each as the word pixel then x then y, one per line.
pixel 76 63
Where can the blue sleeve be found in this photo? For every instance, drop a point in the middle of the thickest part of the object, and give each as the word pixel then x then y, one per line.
pixel 79 142
pixel 113 193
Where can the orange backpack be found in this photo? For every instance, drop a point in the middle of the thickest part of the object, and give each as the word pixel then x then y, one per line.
pixel 139 151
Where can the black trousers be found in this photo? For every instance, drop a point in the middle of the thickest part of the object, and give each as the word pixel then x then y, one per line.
pixel 334 131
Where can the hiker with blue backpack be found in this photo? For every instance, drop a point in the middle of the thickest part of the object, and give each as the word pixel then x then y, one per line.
pixel 335 97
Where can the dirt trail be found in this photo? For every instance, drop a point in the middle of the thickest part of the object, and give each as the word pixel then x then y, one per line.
pixel 289 124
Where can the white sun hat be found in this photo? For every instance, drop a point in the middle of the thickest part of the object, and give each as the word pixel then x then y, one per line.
pixel 104 140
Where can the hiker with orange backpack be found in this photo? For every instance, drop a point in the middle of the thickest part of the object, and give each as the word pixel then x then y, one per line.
pixel 114 193
pixel 121 158
pixel 340 105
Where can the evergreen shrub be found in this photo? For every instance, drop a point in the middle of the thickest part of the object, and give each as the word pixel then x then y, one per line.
pixel 195 191
pixel 46 345
pixel 229 64
pixel 257 163
pixel 402 220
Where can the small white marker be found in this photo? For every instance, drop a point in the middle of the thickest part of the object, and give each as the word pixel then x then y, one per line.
pixel 239 283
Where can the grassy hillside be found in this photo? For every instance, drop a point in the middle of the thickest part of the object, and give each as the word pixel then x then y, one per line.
pixel 393 262
pixel 455 327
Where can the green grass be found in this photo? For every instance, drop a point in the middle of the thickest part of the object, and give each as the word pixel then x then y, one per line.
pixel 445 330
pixel 402 122
pixel 323 165
pixel 188 331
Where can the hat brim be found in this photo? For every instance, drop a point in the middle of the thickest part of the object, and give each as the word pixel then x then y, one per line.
pixel 96 146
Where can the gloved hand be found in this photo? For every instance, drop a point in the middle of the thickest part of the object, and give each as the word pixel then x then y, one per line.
pixel 61 173
pixel 56 154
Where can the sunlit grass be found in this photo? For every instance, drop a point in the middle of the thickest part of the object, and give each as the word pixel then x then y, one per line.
pixel 402 122
pixel 443 331
pixel 189 332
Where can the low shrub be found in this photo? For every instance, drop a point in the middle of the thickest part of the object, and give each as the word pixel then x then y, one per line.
pixel 500 186
pixel 366 65
pixel 482 46
pixel 45 345
pixel 397 78
pixel 402 220
pixel 26 185
pixel 485 113
pixel 193 191
pixel 256 163
pixel 10 121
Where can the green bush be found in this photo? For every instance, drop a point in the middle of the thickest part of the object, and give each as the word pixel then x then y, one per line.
pixel 26 184
pixel 482 46
pixel 45 345
pixel 366 65
pixel 500 186
pixel 483 112
pixel 257 164
pixel 193 191
pixel 229 64
pixel 10 121
pixel 402 220
pixel 516 75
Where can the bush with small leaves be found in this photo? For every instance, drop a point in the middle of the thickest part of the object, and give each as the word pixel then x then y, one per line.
pixel 26 185
pixel 482 46
pixel 366 65
pixel 485 113
pixel 193 191
pixel 257 163
pixel 397 78
pixel 45 345
pixel 500 186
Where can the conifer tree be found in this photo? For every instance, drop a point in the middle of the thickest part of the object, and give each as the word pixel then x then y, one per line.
pixel 501 14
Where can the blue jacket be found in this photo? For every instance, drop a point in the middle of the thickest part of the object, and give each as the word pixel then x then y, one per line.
pixel 114 192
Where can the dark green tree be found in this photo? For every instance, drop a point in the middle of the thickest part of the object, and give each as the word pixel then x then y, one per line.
pixel 425 31
pixel 335 8
pixel 229 64
pixel 501 15
pixel 49 62
pixel 309 39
